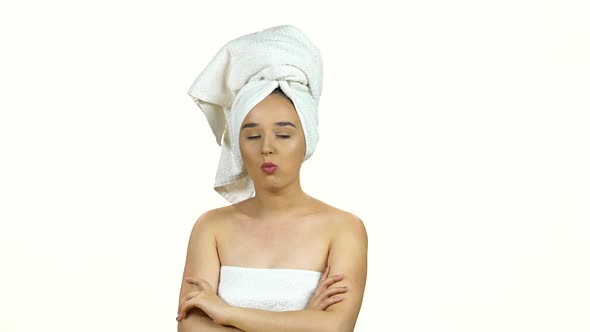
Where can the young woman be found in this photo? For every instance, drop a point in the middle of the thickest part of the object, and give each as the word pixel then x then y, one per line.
pixel 280 260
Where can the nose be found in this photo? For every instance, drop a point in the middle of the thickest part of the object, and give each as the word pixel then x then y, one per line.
pixel 267 145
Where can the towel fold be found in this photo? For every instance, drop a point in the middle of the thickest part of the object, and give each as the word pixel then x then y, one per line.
pixel 244 72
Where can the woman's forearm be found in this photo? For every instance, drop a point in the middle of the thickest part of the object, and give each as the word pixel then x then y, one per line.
pixel 256 320
pixel 198 323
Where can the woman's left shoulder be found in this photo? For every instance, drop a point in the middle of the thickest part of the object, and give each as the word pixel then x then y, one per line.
pixel 346 226
pixel 341 218
pixel 350 222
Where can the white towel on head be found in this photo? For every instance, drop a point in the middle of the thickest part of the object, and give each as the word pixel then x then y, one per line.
pixel 244 72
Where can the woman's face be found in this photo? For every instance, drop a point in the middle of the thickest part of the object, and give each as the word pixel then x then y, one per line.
pixel 272 132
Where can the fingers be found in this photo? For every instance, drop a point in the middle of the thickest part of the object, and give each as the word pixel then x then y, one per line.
pixel 186 304
pixel 186 307
pixel 333 279
pixel 336 290
pixel 324 295
pixel 182 312
pixel 329 300
pixel 329 296
pixel 333 300
pixel 190 295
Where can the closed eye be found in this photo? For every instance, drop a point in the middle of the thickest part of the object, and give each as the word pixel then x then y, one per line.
pixel 281 136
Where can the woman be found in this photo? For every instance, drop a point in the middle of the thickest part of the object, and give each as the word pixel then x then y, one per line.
pixel 262 263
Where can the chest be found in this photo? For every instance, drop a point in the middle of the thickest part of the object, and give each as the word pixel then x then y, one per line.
pixel 300 244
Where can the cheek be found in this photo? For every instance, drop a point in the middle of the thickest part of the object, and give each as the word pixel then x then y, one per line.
pixel 293 147
pixel 301 144
pixel 297 150
pixel 245 150
pixel 250 154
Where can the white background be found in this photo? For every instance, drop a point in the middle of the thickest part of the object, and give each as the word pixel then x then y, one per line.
pixel 457 130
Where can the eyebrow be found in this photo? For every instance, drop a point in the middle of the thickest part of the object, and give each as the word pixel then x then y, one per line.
pixel 280 123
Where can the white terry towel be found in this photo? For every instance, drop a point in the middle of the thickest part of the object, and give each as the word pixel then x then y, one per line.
pixel 244 72
pixel 267 289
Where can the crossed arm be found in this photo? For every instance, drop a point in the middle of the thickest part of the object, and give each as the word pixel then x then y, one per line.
pixel 203 323
pixel 348 255
pixel 247 319
pixel 251 320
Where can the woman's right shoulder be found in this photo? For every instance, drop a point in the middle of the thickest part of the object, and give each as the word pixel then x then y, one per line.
pixel 214 218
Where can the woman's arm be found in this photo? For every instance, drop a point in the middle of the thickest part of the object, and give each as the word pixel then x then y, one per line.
pixel 256 320
pixel 201 261
pixel 198 323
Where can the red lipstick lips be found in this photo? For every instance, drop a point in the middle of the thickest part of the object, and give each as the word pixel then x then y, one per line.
pixel 269 168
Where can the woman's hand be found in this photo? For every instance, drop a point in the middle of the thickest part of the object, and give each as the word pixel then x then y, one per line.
pixel 322 298
pixel 206 300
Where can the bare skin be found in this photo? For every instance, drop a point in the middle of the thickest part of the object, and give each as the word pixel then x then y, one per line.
pixel 281 226
pixel 297 242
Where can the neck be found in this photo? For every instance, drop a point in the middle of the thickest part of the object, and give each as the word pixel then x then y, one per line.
pixel 270 203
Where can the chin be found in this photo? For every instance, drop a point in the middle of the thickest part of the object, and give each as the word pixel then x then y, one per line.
pixel 268 183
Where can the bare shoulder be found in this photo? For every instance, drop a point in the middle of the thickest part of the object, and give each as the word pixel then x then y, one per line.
pixel 342 220
pixel 340 217
pixel 213 219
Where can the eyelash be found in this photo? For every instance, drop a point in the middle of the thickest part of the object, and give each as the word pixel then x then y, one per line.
pixel 281 136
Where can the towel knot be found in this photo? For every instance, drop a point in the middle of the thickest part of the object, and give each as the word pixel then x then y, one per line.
pixel 282 72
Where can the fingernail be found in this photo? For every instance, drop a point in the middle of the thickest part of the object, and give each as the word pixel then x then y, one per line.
pixel 340 275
